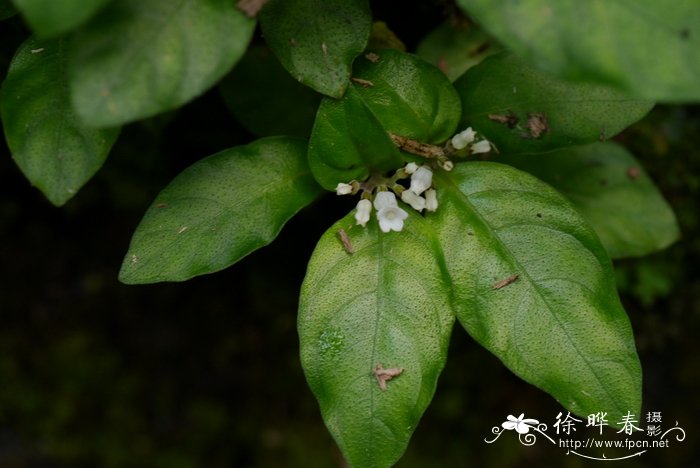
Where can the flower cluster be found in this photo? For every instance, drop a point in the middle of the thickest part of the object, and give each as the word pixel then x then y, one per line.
pixel 467 138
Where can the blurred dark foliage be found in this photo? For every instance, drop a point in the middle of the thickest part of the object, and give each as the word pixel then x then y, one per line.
pixel 206 373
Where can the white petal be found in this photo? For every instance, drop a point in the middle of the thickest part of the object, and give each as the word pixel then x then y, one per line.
pixel 364 207
pixel 421 180
pixel 410 168
pixel 463 138
pixel 431 202
pixel 416 201
pixel 384 200
pixel 509 425
pixel 484 146
pixel 391 218
pixel 522 428
pixel 343 189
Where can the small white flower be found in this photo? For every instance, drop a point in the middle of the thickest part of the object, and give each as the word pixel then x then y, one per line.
pixel 421 180
pixel 416 201
pixel 410 168
pixel 522 426
pixel 364 207
pixel 431 202
pixel 483 146
pixel 384 200
pixel 463 138
pixel 391 218
pixel 343 189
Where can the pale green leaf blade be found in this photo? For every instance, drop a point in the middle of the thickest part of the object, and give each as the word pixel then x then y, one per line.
pixel 135 59
pixel 454 48
pixel 533 285
pixel 219 210
pixel 265 99
pixel 409 96
pixel 53 17
pixel 650 48
pixel 316 41
pixel 52 147
pixel 523 110
pixel 613 193
pixel 387 303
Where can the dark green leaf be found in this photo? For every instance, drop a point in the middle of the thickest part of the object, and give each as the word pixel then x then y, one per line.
pixel 54 150
pixel 456 48
pixel 316 41
pixel 533 284
pixel 523 110
pixel 611 190
pixel 219 210
pixel 266 100
pixel 53 17
pixel 393 92
pixel 7 9
pixel 136 59
pixel 387 304
pixel 648 47
pixel 348 142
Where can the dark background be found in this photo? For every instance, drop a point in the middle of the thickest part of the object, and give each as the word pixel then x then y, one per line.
pixel 206 373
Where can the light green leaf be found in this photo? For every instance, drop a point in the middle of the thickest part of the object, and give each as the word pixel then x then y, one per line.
pixel 648 47
pixel 266 100
pixel 219 210
pixel 387 304
pixel 347 142
pixel 53 17
pixel 612 192
pixel 136 59
pixel 54 150
pixel 393 92
pixel 456 48
pixel 533 285
pixel 523 110
pixel 316 41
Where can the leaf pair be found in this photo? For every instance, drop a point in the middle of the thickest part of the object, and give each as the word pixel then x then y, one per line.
pixel 507 256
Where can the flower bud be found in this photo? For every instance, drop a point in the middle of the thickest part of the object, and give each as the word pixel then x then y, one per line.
pixel 364 208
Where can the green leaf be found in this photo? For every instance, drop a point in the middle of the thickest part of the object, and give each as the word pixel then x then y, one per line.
pixel 219 210
pixel 456 48
pixel 388 304
pixel 54 150
pixel 136 59
pixel 393 92
pixel 612 192
pixel 316 41
pixel 523 110
pixel 266 100
pixel 649 47
pixel 52 17
pixel 7 9
pixel 347 142
pixel 533 285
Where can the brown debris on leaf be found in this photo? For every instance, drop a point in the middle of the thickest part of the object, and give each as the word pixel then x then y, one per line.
pixel 372 57
pixel 509 119
pixel 633 173
pixel 416 147
pixel 384 375
pixel 537 125
pixel 505 282
pixel 345 240
pixel 251 7
pixel 361 82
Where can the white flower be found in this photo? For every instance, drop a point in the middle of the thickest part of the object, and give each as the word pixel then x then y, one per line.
pixel 431 202
pixel 484 146
pixel 384 200
pixel 421 180
pixel 410 168
pixel 463 138
pixel 416 201
pixel 391 218
pixel 343 189
pixel 522 426
pixel 364 207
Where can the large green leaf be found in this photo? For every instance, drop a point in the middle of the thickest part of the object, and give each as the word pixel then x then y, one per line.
pixel 52 17
pixel 54 150
pixel 266 100
pixel 611 190
pixel 648 47
pixel 219 210
pixel 523 110
pixel 533 284
pixel 393 92
pixel 387 304
pixel 316 41
pixel 454 48
pixel 136 59
pixel 7 9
